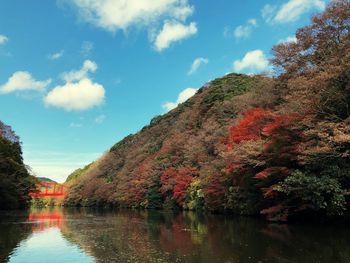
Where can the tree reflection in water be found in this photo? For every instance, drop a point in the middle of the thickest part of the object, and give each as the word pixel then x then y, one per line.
pixel 153 236
pixel 12 232
pixel 158 236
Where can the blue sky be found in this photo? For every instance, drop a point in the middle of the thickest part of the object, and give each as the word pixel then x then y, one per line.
pixel 77 76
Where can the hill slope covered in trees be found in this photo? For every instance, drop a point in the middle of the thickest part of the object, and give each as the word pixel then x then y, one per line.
pixel 15 181
pixel 277 146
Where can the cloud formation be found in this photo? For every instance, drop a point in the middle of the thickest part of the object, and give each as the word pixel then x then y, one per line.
pixel 77 96
pixel 244 31
pixel 254 61
pixel 23 80
pixel 79 92
pixel 88 66
pixel 56 55
pixel 291 11
pixel 114 15
pixel 3 39
pixel 268 12
pixel 183 96
pixel 172 32
pixel 196 64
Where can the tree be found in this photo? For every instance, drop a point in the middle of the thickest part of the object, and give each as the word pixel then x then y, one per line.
pixel 168 180
pixel 183 180
pixel 263 150
pixel 303 191
pixel 15 181
pixel 315 69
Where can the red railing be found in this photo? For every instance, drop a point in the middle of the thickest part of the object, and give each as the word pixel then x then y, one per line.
pixel 49 189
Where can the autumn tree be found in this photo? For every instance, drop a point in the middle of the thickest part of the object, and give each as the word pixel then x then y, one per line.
pixel 262 151
pixel 315 68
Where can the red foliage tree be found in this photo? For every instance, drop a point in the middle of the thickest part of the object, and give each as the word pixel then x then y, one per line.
pixel 167 180
pixel 250 127
pixel 176 181
pixel 215 191
pixel 183 180
pixel 280 137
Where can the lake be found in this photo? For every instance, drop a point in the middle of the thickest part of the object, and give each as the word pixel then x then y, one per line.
pixel 82 235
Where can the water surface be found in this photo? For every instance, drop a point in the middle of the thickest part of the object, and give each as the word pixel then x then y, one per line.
pixel 79 235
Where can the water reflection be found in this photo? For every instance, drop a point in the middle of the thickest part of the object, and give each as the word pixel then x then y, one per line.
pixel 44 219
pixel 44 241
pixel 152 236
pixel 12 232
pixel 149 236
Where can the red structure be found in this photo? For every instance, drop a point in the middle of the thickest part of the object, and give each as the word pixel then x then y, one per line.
pixel 49 189
pixel 45 220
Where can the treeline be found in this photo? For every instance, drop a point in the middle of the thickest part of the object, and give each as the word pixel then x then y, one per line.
pixel 15 181
pixel 277 146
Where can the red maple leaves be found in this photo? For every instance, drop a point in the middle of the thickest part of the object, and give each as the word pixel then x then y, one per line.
pixel 257 124
pixel 176 181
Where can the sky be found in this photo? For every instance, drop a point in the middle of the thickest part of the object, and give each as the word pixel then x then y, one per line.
pixel 77 76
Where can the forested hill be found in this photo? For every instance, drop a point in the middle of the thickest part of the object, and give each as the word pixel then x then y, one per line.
pixel 247 144
pixel 15 181
pixel 45 179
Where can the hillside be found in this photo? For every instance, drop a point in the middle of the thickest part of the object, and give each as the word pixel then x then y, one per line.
pixel 45 179
pixel 246 144
pixel 15 181
pixel 194 129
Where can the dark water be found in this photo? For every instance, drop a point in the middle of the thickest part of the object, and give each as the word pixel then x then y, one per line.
pixel 61 235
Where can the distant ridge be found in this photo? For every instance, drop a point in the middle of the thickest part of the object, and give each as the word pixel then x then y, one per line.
pixel 45 179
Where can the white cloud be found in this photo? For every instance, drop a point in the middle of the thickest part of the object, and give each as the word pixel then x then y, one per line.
pixel 252 22
pixel 114 15
pixel 253 61
pixel 79 92
pixel 168 106
pixel 23 80
pixel 196 64
pixel 244 31
pixel 183 96
pixel 78 96
pixel 172 32
pixel 3 39
pixel 56 55
pixel 100 119
pixel 268 12
pixel 291 10
pixel 289 39
pixel 86 48
pixel 88 66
